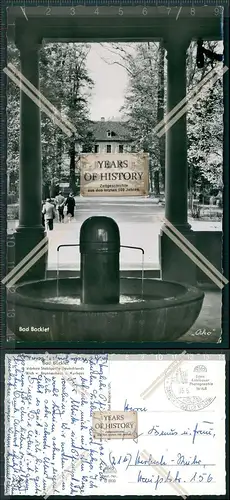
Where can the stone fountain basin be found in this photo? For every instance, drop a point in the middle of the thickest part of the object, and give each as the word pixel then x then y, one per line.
pixel 168 311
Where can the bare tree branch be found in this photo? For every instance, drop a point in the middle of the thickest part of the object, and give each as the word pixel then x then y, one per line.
pixel 119 64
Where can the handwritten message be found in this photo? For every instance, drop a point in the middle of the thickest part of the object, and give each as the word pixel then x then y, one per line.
pixel 49 406
pixel 78 425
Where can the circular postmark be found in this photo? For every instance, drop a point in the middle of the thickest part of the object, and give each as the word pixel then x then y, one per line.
pixel 190 386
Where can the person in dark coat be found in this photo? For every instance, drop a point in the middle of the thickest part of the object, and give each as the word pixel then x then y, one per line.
pixel 70 204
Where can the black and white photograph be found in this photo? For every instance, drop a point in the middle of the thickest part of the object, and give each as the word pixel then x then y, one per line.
pixel 116 160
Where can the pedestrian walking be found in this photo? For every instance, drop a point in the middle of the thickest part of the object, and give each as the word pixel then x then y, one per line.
pixel 70 204
pixel 60 203
pixel 49 214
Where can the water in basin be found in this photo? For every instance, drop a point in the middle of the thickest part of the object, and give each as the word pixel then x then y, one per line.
pixel 66 299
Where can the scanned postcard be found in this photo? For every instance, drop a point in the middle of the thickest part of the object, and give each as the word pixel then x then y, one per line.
pixel 114 424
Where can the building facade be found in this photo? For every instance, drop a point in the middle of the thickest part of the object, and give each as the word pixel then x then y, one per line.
pixel 110 137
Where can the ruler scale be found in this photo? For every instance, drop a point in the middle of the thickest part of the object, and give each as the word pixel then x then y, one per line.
pixel 120 3
pixel 173 9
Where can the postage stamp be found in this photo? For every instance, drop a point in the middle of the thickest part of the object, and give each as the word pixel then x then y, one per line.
pixel 190 387
pixel 114 424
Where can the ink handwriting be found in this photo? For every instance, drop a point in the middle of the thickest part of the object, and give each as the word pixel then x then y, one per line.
pixel 49 425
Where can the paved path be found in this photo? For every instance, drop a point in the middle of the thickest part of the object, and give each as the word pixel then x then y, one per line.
pixel 139 220
pixel 143 235
pixel 140 234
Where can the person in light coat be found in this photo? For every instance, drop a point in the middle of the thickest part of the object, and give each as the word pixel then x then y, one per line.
pixel 49 214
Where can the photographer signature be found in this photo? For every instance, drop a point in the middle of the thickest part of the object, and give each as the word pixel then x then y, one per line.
pixel 202 332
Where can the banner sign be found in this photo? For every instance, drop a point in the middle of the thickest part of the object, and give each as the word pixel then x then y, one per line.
pixel 114 174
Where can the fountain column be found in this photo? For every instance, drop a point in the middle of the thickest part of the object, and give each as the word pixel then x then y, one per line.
pixel 100 256
pixel 175 264
pixel 30 230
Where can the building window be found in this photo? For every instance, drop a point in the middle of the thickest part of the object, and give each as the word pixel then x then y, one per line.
pixel 86 148
pixel 108 133
pixel 96 148
pixel 108 148
pixel 121 148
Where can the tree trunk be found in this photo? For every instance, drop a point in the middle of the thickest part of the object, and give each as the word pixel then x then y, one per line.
pixel 151 179
pixel 59 158
pixel 72 179
pixel 160 113
pixel 156 183
pixel 45 191
pixel 53 190
pixel 45 179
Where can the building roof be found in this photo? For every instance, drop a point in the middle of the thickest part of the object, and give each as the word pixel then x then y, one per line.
pixel 117 129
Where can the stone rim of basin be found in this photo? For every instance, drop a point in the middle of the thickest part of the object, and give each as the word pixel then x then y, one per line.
pixel 191 294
